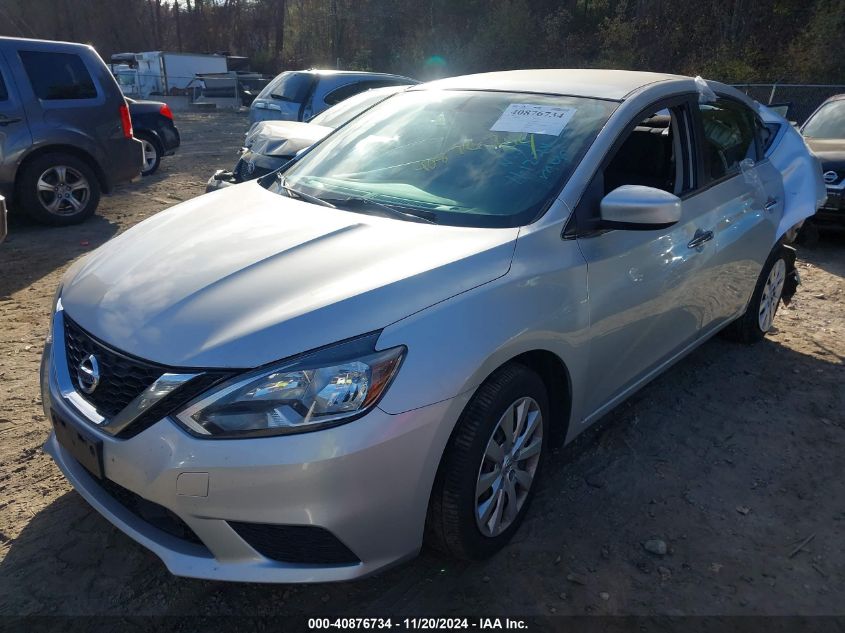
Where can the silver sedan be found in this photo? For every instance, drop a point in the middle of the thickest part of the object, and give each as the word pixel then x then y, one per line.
pixel 380 348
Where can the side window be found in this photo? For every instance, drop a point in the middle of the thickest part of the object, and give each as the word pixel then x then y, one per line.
pixel 4 94
pixel 58 75
pixel 344 92
pixel 653 155
pixel 728 137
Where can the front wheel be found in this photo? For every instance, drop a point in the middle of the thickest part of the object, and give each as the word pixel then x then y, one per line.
pixel 758 318
pixel 488 472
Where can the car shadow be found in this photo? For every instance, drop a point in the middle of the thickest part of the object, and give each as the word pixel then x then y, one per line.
pixel 32 250
pixel 728 458
pixel 828 254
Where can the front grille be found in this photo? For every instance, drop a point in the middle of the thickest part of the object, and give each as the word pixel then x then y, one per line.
pixel 121 378
pixel 158 516
pixel 305 544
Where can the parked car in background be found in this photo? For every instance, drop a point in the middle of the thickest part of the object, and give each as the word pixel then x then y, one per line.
pixel 299 95
pixel 824 132
pixel 386 340
pixel 4 226
pixel 65 130
pixel 153 124
pixel 271 144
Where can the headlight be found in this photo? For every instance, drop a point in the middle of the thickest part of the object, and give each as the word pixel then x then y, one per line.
pixel 326 388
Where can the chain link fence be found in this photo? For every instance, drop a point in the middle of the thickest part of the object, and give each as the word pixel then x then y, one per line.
pixel 802 99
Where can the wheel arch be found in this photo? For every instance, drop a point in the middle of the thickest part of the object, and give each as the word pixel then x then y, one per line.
pixel 66 149
pixel 153 136
pixel 555 375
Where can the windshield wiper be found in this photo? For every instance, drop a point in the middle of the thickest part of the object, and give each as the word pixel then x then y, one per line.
pixel 400 213
pixel 305 196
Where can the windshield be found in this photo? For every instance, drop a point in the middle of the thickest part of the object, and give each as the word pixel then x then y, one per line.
pixel 349 108
pixel 487 159
pixel 828 122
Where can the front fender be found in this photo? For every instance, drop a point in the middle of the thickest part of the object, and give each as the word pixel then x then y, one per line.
pixel 453 346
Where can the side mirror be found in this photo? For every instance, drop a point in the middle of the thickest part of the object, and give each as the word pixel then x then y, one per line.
pixel 639 208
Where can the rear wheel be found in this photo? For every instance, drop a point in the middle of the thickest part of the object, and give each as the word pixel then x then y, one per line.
pixel 487 475
pixel 59 189
pixel 758 318
pixel 152 154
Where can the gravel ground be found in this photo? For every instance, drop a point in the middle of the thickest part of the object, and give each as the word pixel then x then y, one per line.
pixel 693 497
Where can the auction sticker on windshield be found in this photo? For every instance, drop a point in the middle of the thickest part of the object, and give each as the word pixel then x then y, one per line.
pixel 526 118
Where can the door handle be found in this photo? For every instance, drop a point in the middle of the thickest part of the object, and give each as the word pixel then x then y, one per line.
pixel 771 204
pixel 700 238
pixel 5 120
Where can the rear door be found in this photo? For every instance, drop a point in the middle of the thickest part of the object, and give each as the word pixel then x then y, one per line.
pixel 15 137
pixel 747 197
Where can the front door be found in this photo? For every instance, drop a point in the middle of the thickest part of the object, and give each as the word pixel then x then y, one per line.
pixel 646 286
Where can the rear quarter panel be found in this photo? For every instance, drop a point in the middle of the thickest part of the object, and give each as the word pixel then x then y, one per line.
pixel 803 185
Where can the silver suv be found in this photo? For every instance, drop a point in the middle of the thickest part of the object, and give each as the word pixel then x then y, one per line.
pixel 299 95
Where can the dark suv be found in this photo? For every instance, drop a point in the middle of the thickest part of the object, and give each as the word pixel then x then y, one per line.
pixel 65 130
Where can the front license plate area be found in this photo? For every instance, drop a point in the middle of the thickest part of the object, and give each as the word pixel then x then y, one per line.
pixel 83 446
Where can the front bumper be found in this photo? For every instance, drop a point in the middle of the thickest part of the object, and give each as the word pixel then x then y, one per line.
pixel 367 483
pixel 832 211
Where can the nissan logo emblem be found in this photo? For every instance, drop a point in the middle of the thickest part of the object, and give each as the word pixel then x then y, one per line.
pixel 88 374
pixel 830 177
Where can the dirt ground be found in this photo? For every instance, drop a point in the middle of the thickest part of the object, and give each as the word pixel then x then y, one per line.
pixel 733 459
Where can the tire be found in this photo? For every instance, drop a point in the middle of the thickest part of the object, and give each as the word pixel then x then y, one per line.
pixel 152 154
pixel 59 189
pixel 453 524
pixel 752 326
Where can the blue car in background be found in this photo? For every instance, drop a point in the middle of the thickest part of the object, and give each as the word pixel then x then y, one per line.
pixel 299 95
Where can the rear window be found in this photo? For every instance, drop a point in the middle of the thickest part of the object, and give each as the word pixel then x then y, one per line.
pixel 58 75
pixel 288 86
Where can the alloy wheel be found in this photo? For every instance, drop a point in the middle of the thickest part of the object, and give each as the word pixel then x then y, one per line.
pixel 771 295
pixel 63 190
pixel 508 466
pixel 150 155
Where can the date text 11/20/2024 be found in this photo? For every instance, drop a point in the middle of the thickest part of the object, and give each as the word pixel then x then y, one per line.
pixel 413 624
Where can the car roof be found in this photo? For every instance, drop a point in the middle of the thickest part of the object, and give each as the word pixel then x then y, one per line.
pixel 581 82
pixel 57 44
pixel 357 73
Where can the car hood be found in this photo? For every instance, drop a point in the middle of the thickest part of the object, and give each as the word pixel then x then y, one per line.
pixel 831 152
pixel 243 276
pixel 283 138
